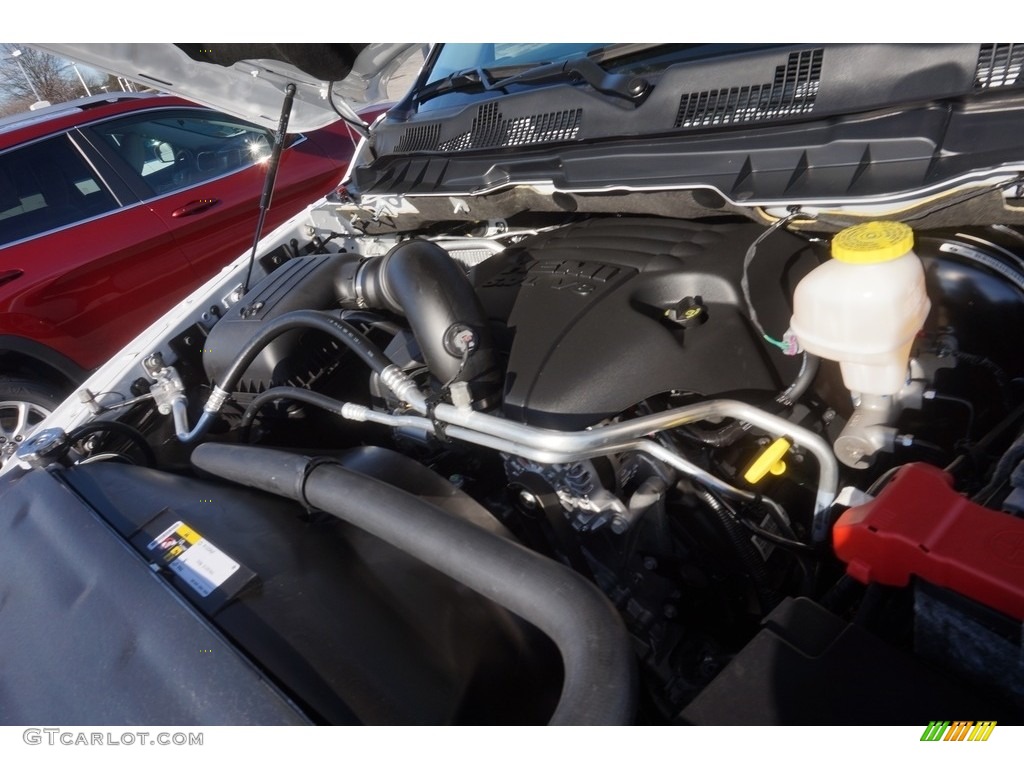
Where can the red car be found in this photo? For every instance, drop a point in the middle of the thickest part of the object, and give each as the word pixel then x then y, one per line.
pixel 112 209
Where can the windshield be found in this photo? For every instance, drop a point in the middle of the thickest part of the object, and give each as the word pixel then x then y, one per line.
pixel 469 66
pixel 456 57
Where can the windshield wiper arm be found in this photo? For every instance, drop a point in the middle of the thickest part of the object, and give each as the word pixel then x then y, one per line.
pixel 628 87
pixel 456 81
pixel 583 69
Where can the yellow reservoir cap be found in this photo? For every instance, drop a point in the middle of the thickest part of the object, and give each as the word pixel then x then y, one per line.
pixel 873 242
pixel 770 461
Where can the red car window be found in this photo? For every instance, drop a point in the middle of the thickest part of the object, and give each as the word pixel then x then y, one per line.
pixel 45 186
pixel 175 150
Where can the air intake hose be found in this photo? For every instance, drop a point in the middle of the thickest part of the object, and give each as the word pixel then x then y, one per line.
pixel 419 280
pixel 600 671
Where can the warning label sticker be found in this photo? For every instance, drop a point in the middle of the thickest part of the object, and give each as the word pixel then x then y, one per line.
pixel 200 564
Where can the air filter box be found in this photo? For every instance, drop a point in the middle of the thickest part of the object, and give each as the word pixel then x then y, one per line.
pixel 296 357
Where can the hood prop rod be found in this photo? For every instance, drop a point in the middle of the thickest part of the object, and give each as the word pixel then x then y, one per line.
pixel 271 178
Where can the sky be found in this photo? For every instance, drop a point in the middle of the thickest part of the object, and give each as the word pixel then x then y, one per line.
pixel 91 76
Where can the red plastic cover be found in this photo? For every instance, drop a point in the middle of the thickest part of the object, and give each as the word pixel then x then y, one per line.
pixel 919 526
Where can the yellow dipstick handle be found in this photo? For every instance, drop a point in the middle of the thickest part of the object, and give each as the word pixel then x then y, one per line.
pixel 769 461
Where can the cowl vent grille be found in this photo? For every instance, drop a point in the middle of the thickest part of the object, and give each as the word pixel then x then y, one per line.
pixel 541 129
pixel 792 92
pixel 491 129
pixel 999 64
pixel 420 138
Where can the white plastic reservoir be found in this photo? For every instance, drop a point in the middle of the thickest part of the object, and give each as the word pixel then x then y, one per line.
pixel 864 306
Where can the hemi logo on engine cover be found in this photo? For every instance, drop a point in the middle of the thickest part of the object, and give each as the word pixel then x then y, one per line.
pixel 959 730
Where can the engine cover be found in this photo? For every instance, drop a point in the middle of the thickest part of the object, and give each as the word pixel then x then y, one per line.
pixel 609 312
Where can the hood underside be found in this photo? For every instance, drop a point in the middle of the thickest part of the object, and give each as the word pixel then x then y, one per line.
pixel 249 79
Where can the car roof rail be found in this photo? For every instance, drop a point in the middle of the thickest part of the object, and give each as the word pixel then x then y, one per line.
pixel 53 111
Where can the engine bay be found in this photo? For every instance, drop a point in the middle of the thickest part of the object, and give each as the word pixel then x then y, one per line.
pixel 570 468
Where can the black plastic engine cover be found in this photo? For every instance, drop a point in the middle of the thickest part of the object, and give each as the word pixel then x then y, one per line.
pixel 591 307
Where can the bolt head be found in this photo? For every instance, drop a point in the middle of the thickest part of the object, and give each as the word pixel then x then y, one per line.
pixel 527 500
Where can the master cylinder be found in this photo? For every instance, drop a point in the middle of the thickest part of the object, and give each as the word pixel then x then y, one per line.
pixel 863 308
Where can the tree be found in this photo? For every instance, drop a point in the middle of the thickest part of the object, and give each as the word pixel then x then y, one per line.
pixel 33 75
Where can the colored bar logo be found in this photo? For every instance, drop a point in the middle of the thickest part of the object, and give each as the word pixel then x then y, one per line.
pixel 958 730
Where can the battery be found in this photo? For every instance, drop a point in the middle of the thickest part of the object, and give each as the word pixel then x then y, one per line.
pixel 918 525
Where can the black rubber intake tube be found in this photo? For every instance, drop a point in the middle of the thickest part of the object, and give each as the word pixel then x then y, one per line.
pixel 418 279
pixel 304 318
pixel 600 671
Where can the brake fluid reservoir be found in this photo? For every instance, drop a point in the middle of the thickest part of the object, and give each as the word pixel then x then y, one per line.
pixel 864 306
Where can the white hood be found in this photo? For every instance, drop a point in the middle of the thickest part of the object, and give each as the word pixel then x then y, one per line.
pixel 221 76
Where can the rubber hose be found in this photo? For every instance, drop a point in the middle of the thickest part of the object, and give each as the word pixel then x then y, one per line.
pixel 367 351
pixel 744 549
pixel 729 434
pixel 286 393
pixel 808 370
pixel 599 687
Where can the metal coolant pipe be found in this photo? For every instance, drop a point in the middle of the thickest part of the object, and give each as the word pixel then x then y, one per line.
pixel 552 446
pixel 600 670
pixel 625 434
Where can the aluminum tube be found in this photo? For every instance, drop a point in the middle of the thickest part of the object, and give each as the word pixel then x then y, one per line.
pixel 552 447
pixel 615 436
pixel 179 409
pixel 357 412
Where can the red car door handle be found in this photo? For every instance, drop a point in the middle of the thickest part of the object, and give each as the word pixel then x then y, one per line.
pixel 194 207
pixel 10 274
